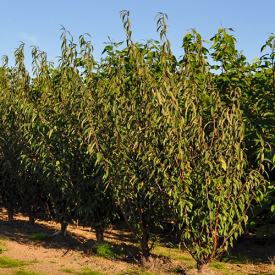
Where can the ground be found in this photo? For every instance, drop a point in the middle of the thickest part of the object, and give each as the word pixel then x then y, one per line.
pixel 74 254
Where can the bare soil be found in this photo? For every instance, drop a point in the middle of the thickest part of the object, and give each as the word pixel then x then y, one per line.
pixel 72 253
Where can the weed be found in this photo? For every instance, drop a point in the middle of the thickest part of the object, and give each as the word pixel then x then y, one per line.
pixel 6 262
pixel 105 250
pixel 39 237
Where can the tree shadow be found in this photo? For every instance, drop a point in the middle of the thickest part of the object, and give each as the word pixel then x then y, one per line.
pixel 120 235
pixel 250 249
pixel 77 238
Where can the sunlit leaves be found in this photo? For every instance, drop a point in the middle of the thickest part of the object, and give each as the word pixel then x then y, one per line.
pixel 163 139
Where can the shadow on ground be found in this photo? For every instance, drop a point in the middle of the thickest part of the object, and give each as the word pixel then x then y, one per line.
pixel 77 239
pixel 250 249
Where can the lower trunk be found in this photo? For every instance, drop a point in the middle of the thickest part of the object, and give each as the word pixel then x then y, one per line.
pixel 64 225
pixel 10 211
pixel 200 267
pixel 99 235
pixel 144 244
pixel 31 217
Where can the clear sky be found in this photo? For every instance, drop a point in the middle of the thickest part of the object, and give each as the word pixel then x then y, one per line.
pixel 39 22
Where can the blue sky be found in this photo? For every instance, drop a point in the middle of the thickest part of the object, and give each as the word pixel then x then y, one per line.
pixel 39 22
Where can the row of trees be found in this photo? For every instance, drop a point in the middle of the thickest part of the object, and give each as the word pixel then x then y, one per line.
pixel 144 134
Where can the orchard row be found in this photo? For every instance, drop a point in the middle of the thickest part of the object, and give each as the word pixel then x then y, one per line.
pixel 154 138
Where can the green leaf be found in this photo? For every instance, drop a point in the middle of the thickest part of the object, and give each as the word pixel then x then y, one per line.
pixel 224 166
pixel 99 157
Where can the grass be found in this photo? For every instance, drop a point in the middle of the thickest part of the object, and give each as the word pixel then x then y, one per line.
pixel 240 259
pixel 68 270
pixel 6 262
pixel 174 253
pixel 83 271
pixel 136 272
pixel 88 271
pixel 2 247
pixel 34 261
pixel 24 272
pixel 106 250
pixel 39 237
pixel 4 238
pixel 220 266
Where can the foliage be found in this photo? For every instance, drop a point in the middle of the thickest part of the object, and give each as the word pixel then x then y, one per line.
pixel 51 165
pixel 211 189
pixel 126 133
pixel 164 140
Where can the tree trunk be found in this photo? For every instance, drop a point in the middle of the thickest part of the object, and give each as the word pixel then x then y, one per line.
pixel 200 267
pixel 144 244
pixel 99 235
pixel 64 225
pixel 31 217
pixel 10 210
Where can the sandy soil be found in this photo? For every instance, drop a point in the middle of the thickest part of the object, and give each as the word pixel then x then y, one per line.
pixel 73 252
pixel 59 253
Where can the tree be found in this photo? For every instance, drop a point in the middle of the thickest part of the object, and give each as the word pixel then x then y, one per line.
pixel 211 188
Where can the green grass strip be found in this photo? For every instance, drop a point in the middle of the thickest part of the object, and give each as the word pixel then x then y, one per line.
pixel 6 262
pixel 39 237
